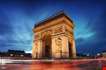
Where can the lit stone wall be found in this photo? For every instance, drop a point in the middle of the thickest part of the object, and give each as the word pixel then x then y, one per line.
pixel 61 33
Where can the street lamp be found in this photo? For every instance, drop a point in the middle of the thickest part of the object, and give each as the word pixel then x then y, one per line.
pixel 88 54
pixel 98 54
pixel 11 54
pixel 21 55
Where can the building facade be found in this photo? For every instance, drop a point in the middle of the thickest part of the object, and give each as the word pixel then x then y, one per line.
pixel 54 38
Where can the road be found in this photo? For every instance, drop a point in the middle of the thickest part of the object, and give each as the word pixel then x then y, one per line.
pixel 83 64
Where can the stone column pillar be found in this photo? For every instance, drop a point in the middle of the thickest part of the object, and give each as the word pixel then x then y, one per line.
pixel 37 49
pixel 40 48
pixel 60 47
pixel 33 50
pixel 73 49
pixel 65 49
pixel 53 45
pixel 56 48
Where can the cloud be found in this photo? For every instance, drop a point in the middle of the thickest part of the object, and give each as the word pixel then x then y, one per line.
pixel 18 18
pixel 93 42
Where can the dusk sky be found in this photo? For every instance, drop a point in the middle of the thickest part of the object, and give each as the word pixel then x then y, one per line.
pixel 17 18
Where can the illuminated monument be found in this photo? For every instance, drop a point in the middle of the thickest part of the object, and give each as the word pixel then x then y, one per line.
pixel 54 38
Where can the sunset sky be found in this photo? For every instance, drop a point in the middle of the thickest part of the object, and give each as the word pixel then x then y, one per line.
pixel 17 18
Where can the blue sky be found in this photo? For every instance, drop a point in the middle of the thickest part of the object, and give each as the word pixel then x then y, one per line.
pixel 17 18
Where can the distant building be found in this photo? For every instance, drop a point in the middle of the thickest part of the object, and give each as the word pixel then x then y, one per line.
pixel 15 53
pixel 2 54
pixel 103 54
pixel 79 55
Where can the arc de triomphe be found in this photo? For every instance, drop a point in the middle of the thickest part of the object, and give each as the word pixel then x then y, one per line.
pixel 54 38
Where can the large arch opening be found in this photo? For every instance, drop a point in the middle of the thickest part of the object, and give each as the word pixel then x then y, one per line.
pixel 47 47
pixel 70 49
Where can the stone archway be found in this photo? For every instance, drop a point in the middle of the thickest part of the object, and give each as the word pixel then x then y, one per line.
pixel 47 34
pixel 46 40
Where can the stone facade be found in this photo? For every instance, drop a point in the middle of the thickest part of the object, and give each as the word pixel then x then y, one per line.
pixel 54 38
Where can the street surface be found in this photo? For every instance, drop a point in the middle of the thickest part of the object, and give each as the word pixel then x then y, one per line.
pixel 81 64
